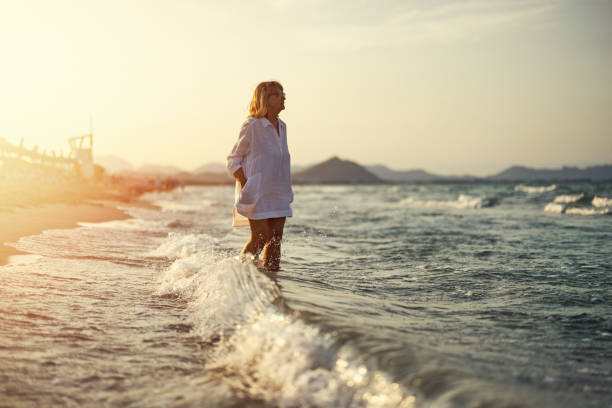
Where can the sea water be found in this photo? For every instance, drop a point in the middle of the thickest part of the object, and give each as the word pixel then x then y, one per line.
pixel 429 295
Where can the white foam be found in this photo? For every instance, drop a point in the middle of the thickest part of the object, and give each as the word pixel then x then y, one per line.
pixel 555 208
pixel 182 246
pixel 179 279
pixel 170 205
pixel 290 364
pixel 463 201
pixel 587 211
pixel 127 224
pixel 25 259
pixel 601 202
pixel 263 353
pixel 535 189
pixel 569 209
pixel 569 198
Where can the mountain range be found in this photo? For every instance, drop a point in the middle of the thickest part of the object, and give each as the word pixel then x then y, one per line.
pixel 336 171
pixel 593 173
pixel 339 171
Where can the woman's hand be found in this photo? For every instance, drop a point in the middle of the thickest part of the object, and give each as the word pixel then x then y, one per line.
pixel 239 175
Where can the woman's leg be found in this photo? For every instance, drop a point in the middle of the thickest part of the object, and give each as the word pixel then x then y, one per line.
pixel 259 236
pixel 272 251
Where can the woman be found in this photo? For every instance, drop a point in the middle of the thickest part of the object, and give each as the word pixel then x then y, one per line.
pixel 261 165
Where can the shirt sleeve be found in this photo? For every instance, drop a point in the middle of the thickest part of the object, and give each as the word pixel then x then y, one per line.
pixel 241 149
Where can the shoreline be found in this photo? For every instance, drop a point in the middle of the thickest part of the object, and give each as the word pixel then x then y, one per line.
pixel 23 222
pixel 31 203
pixel 26 221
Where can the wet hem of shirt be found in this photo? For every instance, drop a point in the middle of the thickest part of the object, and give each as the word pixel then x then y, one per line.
pixel 269 214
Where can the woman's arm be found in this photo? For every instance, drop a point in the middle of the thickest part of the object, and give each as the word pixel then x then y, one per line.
pixel 239 175
pixel 241 149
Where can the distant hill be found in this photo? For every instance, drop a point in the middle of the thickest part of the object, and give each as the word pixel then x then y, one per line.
pixel 386 173
pixel 159 169
pixel 521 173
pixel 296 168
pixel 210 168
pixel 205 178
pixel 335 170
pixel 221 168
pixel 113 164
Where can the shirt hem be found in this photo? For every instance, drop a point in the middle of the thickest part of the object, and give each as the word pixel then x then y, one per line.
pixel 268 214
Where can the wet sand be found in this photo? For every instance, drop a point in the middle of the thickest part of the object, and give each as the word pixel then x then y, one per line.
pixel 28 208
pixel 20 222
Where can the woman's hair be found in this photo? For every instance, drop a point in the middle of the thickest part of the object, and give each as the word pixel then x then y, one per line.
pixel 259 103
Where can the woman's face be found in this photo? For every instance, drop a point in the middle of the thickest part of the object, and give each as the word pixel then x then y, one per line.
pixel 276 100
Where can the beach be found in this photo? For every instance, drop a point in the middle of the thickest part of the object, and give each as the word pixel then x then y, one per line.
pixel 22 222
pixel 388 296
pixel 56 204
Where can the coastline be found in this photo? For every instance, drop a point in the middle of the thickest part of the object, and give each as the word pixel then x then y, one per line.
pixel 23 222
pixel 28 206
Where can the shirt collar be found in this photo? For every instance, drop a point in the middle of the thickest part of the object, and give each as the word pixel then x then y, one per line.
pixel 268 123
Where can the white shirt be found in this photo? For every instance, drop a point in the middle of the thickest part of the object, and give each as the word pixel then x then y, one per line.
pixel 264 157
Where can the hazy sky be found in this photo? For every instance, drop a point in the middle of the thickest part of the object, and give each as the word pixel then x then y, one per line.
pixel 449 86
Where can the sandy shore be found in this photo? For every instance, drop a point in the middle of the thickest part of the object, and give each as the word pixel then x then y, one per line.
pixel 28 208
pixel 30 221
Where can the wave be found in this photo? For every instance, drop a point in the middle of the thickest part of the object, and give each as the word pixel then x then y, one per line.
pixel 463 201
pixel 587 211
pixel 554 208
pixel 177 246
pixel 574 205
pixel 571 198
pixel 136 224
pixel 169 205
pixel 601 202
pixel 535 189
pixel 259 348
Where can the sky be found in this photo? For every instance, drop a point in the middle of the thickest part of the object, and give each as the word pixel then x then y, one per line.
pixel 453 87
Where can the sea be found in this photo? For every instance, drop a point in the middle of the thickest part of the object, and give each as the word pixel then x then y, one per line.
pixel 419 295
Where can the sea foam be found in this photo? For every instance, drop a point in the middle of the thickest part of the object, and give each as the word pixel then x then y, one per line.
pixel 535 189
pixel 169 205
pixel 578 204
pixel 463 201
pixel 587 211
pixel 570 198
pixel 181 246
pixel 601 202
pixel 554 208
pixel 261 349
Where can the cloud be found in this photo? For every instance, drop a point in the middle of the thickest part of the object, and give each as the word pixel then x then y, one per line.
pixel 444 24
